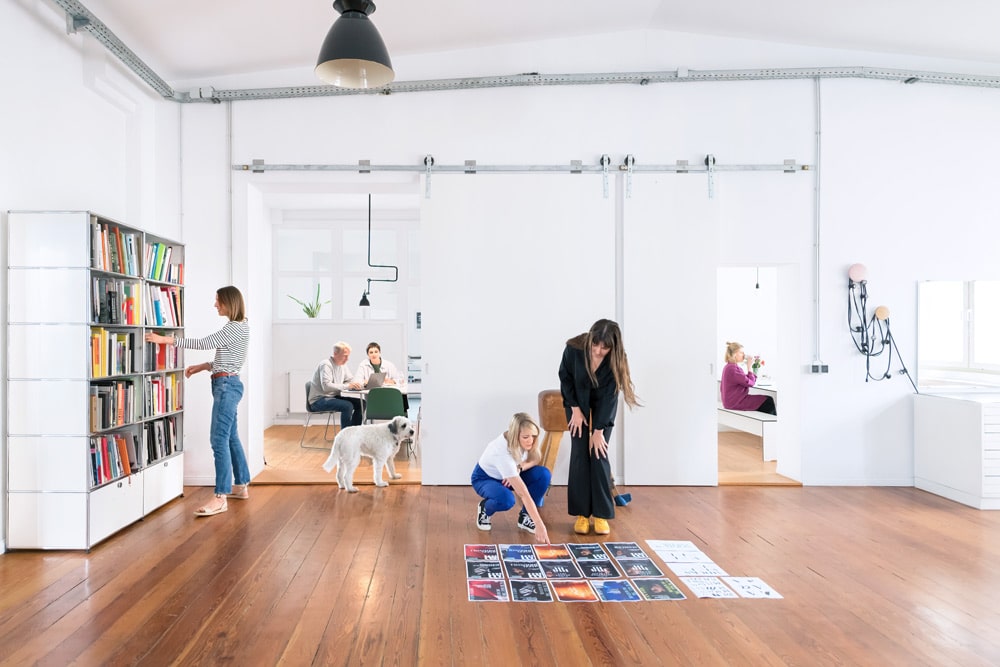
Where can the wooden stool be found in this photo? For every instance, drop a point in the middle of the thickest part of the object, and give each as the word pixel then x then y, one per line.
pixel 552 415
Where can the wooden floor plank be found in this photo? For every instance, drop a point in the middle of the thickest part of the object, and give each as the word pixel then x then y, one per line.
pixel 311 575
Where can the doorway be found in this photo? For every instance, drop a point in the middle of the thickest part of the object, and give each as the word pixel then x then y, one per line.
pixel 323 244
pixel 748 313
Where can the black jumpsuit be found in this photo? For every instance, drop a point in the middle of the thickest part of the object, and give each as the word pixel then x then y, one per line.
pixel 588 492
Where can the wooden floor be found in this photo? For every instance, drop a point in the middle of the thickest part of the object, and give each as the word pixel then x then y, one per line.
pixel 309 575
pixel 741 462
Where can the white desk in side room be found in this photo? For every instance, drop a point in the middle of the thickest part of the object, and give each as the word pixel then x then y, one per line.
pixel 750 421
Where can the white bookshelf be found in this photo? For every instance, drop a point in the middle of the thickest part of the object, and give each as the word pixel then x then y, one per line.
pixel 64 489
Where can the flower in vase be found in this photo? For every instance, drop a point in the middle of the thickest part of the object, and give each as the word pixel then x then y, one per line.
pixel 756 363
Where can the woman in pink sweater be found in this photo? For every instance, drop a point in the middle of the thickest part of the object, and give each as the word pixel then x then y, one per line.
pixel 736 384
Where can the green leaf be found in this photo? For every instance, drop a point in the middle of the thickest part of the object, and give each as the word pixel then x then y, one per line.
pixel 310 309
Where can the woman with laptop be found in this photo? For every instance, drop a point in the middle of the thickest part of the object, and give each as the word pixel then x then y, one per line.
pixel 385 372
pixel 376 364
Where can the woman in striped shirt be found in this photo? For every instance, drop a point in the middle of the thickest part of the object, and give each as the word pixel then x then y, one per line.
pixel 230 345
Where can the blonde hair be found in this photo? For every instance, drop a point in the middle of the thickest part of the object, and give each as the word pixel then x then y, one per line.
pixel 518 423
pixel 731 349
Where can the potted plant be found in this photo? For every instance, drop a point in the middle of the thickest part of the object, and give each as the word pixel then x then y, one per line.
pixel 310 309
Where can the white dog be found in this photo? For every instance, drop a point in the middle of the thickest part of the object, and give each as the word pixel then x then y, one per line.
pixel 379 442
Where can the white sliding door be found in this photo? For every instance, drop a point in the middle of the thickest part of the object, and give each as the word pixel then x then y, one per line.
pixel 671 247
pixel 512 266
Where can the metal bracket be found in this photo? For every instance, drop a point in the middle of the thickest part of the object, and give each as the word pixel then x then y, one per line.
pixel 364 166
pixel 75 23
pixel 428 163
pixel 682 166
pixel 258 166
pixel 790 166
pixel 576 166
pixel 605 161
pixel 710 165
pixel 628 164
pixel 470 166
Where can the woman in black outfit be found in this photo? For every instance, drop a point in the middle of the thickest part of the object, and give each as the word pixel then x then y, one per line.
pixel 593 371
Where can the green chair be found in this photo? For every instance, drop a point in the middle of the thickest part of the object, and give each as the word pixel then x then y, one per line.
pixel 384 403
pixel 305 428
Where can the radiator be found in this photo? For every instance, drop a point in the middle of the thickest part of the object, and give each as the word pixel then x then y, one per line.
pixel 296 392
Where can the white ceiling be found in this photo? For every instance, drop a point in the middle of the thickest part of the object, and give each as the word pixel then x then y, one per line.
pixel 200 39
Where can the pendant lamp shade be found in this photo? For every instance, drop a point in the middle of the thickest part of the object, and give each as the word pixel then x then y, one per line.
pixel 364 303
pixel 353 54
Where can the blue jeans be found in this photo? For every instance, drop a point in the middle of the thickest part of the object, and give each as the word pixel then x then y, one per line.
pixel 224 435
pixel 499 498
pixel 349 408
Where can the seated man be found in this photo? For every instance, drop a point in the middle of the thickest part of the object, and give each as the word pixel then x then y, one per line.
pixel 332 376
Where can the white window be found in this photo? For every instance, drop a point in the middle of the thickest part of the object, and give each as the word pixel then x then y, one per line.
pixel 333 256
pixel 958 331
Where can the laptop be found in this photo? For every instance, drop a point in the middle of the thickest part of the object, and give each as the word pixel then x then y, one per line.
pixel 375 380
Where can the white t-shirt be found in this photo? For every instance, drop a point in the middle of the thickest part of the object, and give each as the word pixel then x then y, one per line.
pixel 497 462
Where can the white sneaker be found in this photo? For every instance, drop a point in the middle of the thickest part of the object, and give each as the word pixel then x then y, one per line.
pixel 482 518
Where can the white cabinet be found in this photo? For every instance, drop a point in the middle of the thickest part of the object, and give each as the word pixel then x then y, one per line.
pixel 161 481
pixel 94 414
pixel 957 447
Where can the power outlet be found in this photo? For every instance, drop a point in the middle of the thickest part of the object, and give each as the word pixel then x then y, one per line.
pixel 819 367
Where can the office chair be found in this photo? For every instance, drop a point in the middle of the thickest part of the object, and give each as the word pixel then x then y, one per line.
pixel 309 413
pixel 386 403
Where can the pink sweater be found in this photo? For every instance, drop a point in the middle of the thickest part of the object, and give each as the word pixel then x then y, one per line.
pixel 736 385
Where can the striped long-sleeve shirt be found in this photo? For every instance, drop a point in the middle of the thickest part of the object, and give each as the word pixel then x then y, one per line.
pixel 230 345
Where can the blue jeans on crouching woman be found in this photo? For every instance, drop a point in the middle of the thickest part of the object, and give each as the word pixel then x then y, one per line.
pixel 499 498
pixel 230 459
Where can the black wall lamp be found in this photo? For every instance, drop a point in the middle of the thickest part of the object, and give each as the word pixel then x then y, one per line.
pixel 368 290
pixel 353 54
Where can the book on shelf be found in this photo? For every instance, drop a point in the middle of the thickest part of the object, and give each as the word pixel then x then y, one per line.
pixel 96 250
pixel 132 451
pixel 125 463
pixel 114 263
pixel 121 251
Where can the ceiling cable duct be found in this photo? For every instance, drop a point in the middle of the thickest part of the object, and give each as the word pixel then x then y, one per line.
pixel 605 78
pixel 79 17
pixel 789 166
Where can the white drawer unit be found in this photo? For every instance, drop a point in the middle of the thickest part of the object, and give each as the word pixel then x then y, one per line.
pixel 957 447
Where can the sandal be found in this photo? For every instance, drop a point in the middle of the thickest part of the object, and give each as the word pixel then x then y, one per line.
pixel 242 494
pixel 209 511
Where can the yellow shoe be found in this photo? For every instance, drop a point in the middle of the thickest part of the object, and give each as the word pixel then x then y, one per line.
pixel 582 525
pixel 601 526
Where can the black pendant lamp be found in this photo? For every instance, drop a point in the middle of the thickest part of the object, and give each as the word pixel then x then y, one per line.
pixel 364 303
pixel 353 54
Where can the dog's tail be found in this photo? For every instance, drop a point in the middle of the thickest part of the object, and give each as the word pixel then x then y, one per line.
pixel 331 461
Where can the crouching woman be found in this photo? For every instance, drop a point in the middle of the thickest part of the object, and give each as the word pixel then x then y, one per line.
pixel 510 466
